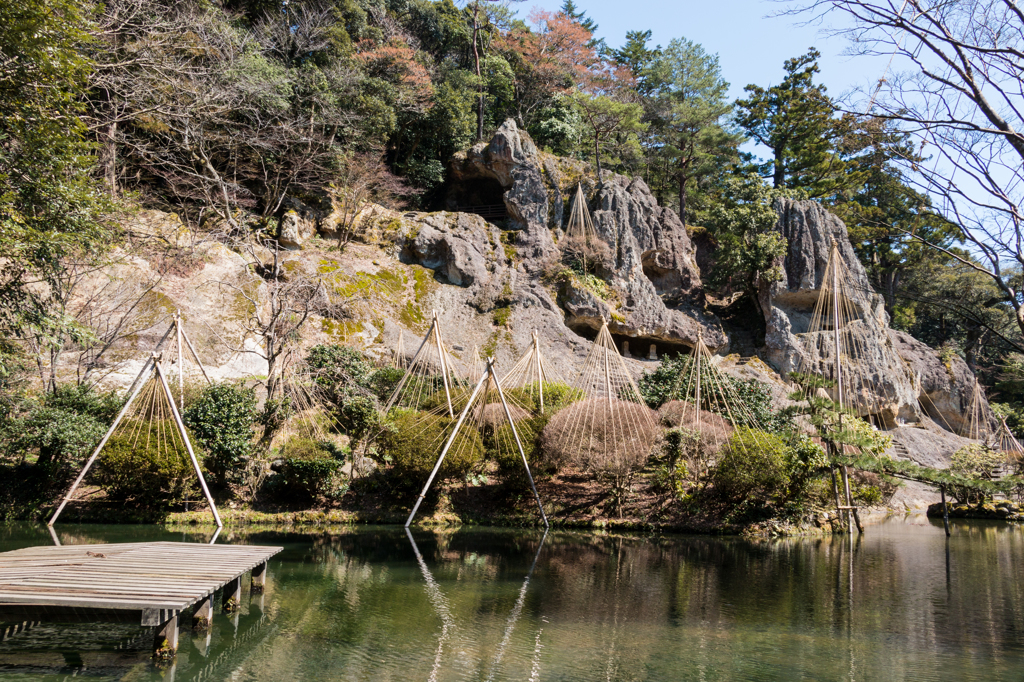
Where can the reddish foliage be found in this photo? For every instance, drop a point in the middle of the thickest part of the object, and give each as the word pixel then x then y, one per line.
pixel 396 63
pixel 552 59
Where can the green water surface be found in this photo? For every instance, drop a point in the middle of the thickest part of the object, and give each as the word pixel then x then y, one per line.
pixel 898 603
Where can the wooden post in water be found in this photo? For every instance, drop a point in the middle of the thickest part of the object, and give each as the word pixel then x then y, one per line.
pixel 258 581
pixel 202 614
pixel 165 642
pixel 232 595
pixel 945 509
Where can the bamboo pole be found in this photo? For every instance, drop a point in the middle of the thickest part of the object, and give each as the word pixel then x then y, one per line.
pixel 607 360
pixel 159 345
pixel 408 371
pixel 444 364
pixel 540 371
pixel 834 257
pixel 698 356
pixel 447 445
pixel 188 341
pixel 515 433
pixel 835 492
pixel 849 500
pixel 181 364
pixel 188 444
pixel 137 388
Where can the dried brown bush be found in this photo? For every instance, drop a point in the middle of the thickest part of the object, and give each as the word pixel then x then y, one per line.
pixel 605 439
pixel 714 430
pixel 587 255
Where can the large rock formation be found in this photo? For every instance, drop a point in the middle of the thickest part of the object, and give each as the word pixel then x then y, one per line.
pixel 655 291
pixel 901 380
pixel 492 282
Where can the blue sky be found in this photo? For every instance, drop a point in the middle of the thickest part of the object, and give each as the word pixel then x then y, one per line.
pixel 750 44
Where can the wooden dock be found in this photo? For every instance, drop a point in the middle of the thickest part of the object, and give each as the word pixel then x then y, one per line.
pixel 145 582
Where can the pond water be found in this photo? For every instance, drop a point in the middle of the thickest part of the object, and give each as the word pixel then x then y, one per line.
pixel 899 603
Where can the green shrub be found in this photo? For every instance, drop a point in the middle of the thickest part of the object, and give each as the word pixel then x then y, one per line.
pixel 384 380
pixel 413 442
pixel 501 446
pixel 61 429
pixel 85 399
pixel 668 383
pixel 329 363
pixel 311 469
pixel 145 462
pixel 556 396
pixel 64 438
pixel 351 386
pixel 755 465
pixel 974 461
pixel 222 420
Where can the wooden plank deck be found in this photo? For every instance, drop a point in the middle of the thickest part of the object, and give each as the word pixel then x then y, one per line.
pixel 156 579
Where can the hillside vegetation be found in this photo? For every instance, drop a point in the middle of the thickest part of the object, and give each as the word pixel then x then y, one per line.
pixel 224 127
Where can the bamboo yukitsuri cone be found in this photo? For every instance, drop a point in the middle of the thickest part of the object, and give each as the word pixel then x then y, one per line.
pixel 487 384
pixel 152 383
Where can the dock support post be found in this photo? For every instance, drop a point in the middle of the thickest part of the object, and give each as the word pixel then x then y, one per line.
pixel 259 579
pixel 165 643
pixel 202 614
pixel 232 595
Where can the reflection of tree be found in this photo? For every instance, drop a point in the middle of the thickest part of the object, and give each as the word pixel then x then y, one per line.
pixel 674 607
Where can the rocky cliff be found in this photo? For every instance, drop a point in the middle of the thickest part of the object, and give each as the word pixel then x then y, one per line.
pixel 655 294
pixel 908 388
pixel 494 280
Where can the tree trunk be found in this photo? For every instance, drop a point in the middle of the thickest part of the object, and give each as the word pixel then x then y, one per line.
pixel 480 84
pixel 597 159
pixel 108 158
pixel 779 167
pixel 682 199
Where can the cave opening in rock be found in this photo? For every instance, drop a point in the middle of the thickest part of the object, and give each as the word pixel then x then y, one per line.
pixel 482 196
pixel 637 347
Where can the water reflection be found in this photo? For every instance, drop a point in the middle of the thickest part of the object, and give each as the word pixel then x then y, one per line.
pixel 443 611
pixel 899 603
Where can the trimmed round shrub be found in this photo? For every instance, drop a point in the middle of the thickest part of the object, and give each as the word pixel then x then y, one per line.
pixel 600 438
pixel 714 431
pixel 754 464
pixel 222 419
pixel 493 415
pixel 556 396
pixel 310 470
pixel 384 380
pixel 502 448
pixel 413 442
pixel 146 463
